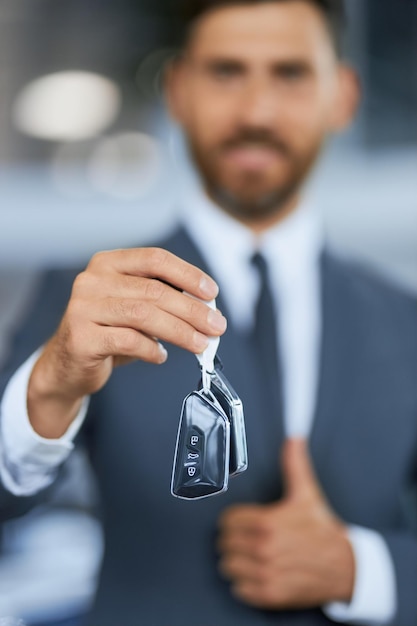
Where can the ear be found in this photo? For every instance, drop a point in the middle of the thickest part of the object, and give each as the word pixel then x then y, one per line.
pixel 174 76
pixel 347 98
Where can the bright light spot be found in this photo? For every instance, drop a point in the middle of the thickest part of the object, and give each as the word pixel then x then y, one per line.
pixel 126 165
pixel 67 106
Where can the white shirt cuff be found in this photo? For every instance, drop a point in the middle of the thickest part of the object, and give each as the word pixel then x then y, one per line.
pixel 374 600
pixel 28 462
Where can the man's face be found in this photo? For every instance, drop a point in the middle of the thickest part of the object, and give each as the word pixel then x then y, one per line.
pixel 256 94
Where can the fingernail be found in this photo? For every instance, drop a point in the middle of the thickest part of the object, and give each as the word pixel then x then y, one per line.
pixel 208 287
pixel 200 342
pixel 163 353
pixel 217 321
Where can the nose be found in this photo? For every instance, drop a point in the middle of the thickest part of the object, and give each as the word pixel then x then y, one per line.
pixel 259 105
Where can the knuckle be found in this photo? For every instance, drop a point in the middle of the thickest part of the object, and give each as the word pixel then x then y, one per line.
pixel 122 343
pixel 266 525
pixel 194 309
pixel 128 311
pixel 109 344
pixel 140 312
pixel 262 549
pixel 88 284
pixel 131 343
pixel 127 342
pixel 157 257
pixel 154 290
pixel 116 307
pixel 80 283
pixel 97 259
pixel 185 335
pixel 187 274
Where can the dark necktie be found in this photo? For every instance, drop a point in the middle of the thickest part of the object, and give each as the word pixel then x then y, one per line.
pixel 265 332
pixel 269 415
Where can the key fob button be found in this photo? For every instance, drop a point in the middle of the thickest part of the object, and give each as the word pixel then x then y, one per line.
pixel 195 440
pixel 192 455
pixel 191 474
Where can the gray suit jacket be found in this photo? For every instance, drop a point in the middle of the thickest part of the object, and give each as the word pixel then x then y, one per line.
pixel 159 567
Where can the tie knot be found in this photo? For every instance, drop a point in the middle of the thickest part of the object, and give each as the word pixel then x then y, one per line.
pixel 265 297
pixel 259 262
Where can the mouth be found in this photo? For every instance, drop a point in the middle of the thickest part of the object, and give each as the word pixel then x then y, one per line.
pixel 252 157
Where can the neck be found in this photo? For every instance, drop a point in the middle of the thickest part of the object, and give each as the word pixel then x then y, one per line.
pixel 259 225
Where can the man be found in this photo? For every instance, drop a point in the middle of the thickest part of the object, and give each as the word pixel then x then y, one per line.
pixel 310 534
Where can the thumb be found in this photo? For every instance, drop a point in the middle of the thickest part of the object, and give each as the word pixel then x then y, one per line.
pixel 300 480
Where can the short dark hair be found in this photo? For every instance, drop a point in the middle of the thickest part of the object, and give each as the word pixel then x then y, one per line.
pixel 333 12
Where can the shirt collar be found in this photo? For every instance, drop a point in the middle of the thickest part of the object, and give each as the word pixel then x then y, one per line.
pixel 292 249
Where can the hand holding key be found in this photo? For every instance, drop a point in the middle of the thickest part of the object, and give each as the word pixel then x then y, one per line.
pixel 121 306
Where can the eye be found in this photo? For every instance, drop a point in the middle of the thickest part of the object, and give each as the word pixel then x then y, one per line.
pixel 292 72
pixel 225 70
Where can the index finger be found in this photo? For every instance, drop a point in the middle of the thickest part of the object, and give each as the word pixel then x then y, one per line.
pixel 160 264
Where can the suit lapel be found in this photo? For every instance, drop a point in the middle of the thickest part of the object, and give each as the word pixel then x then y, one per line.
pixel 339 362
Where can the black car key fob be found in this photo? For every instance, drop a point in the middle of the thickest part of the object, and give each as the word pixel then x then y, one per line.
pixel 201 463
pixel 211 439
pixel 233 408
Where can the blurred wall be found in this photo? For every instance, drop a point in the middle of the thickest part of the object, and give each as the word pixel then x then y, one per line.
pixel 63 197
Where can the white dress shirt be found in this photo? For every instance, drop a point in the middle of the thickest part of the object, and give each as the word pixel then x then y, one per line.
pixel 292 249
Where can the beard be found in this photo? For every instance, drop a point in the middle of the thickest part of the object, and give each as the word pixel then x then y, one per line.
pixel 251 195
pixel 249 203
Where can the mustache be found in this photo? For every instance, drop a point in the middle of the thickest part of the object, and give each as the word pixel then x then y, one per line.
pixel 258 138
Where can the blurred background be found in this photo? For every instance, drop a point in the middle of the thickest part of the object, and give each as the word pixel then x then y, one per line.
pixel 89 160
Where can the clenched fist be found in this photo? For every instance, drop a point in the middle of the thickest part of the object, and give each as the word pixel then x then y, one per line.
pixel 120 307
pixel 291 554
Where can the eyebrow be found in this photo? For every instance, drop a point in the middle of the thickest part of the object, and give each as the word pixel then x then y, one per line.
pixel 291 65
pixel 224 63
pixel 282 66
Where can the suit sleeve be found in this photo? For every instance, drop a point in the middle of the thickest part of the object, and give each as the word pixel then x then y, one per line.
pixel 402 545
pixel 41 321
pixel 403 548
